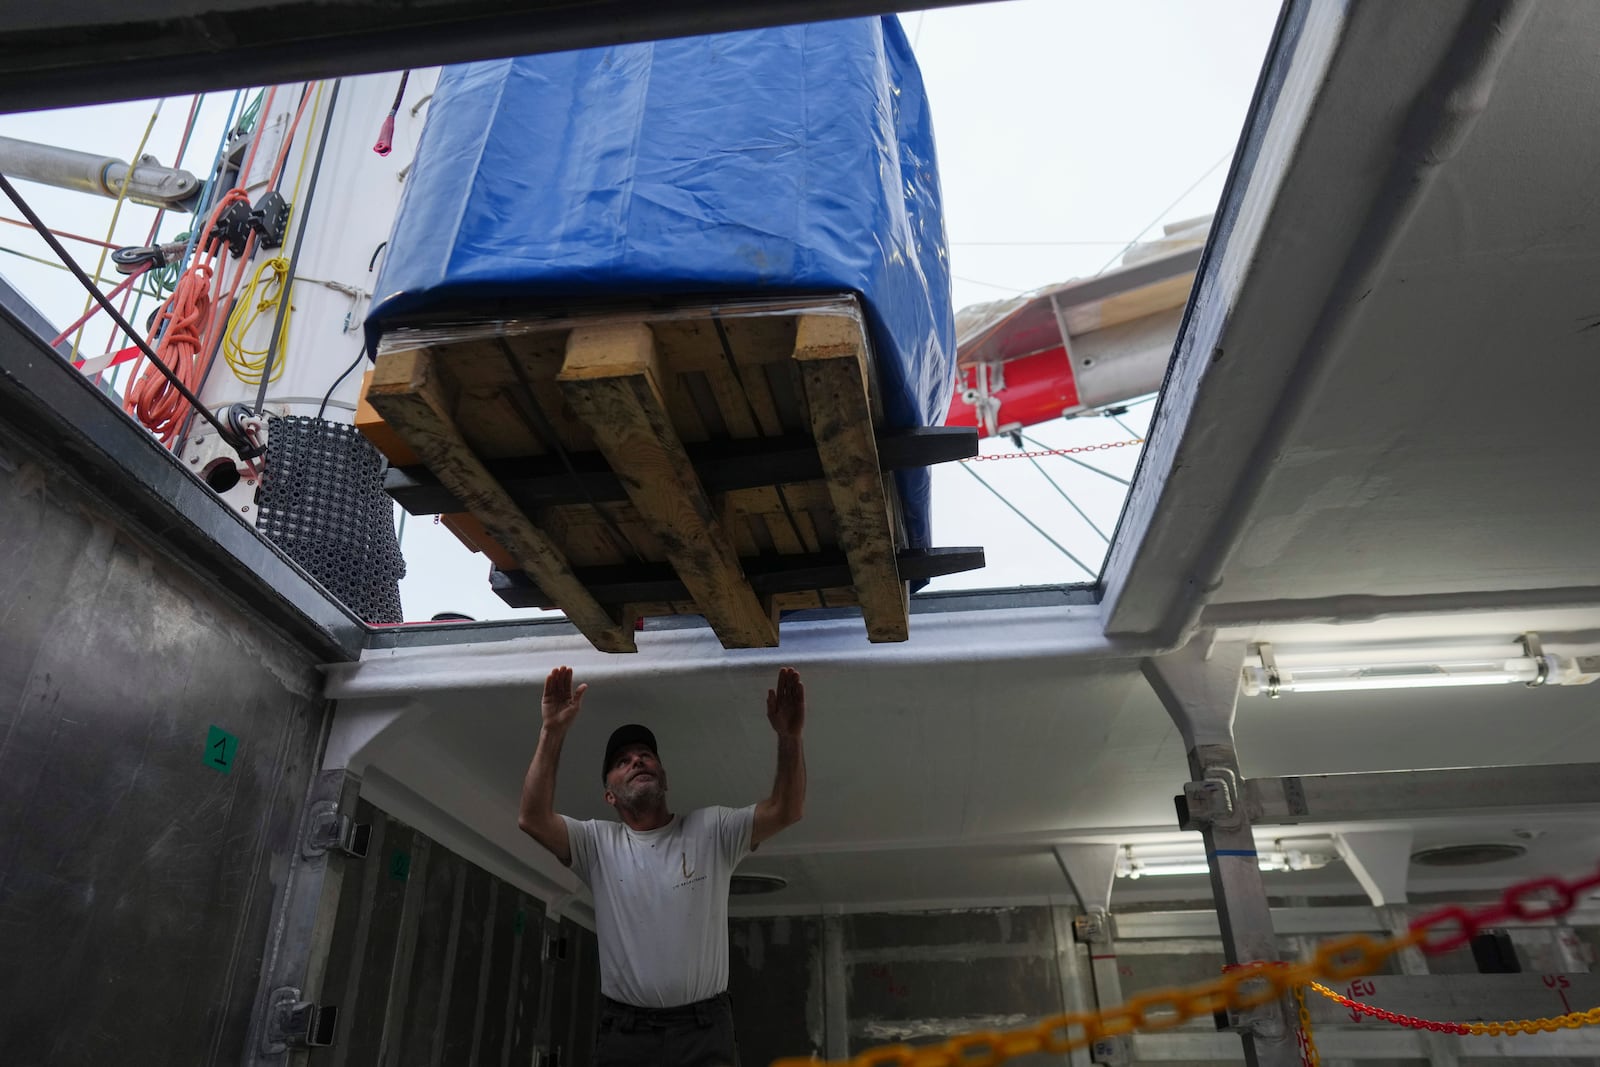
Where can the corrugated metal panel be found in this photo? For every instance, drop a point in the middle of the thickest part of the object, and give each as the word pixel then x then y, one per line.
pixel 435 963
pixel 775 976
pixel 585 985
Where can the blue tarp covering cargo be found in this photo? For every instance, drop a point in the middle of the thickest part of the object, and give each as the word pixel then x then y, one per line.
pixel 788 161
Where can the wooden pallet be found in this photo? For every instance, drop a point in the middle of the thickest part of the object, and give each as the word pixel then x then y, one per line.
pixel 720 463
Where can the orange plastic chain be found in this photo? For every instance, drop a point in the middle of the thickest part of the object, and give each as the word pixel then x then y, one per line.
pixel 1570 1021
pixel 1309 1056
pixel 1251 985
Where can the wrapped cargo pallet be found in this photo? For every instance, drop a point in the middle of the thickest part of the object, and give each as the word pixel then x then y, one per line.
pixel 734 175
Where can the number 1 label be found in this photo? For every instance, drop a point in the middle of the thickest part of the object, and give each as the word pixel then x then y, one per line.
pixel 221 748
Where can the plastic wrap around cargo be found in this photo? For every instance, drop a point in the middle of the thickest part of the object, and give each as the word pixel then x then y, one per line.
pixel 791 161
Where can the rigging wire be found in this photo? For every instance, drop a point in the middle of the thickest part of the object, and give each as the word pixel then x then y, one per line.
pixel 281 322
pixel 209 193
pixel 53 265
pixel 116 212
pixel 195 101
pixel 1165 211
pixel 188 321
pixel 990 285
pixel 208 190
pixel 217 317
pixel 1079 462
pixel 83 279
pixel 247 119
pixel 1124 425
pixel 243 190
pixel 124 285
pixel 1033 244
pixel 1073 504
pixel 63 233
pixel 1021 515
pixel 262 295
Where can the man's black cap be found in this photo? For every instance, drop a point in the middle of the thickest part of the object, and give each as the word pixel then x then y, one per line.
pixel 621 738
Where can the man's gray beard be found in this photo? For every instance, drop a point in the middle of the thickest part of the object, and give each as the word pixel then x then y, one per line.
pixel 641 796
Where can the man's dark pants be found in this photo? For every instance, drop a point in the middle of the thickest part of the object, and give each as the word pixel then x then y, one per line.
pixel 694 1035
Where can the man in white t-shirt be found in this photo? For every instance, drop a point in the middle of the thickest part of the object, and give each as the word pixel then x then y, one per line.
pixel 660 881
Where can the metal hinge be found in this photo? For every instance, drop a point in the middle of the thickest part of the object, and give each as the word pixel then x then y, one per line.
pixel 1092 928
pixel 329 830
pixel 555 948
pixel 295 1023
pixel 1212 801
pixel 1264 1021
pixel 1110 1052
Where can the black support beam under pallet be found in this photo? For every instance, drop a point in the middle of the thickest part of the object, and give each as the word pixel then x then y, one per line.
pixel 768 575
pixel 722 466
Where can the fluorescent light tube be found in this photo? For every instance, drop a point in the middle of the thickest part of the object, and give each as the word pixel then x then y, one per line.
pixel 1142 863
pixel 1258 680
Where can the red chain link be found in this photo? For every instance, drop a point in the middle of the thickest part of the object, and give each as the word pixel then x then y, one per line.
pixel 1410 1021
pixel 1252 985
pixel 1055 451
pixel 1527 902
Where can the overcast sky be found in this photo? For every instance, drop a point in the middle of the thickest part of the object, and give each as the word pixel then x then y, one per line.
pixel 1066 130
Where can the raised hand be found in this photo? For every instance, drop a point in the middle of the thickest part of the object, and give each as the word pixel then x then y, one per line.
pixel 561 702
pixel 786 705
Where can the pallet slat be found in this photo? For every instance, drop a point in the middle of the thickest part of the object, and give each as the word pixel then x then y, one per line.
pixel 406 391
pixel 611 378
pixel 829 352
pixel 620 463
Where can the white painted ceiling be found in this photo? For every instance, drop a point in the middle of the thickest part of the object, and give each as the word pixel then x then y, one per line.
pixel 1449 450
pixel 949 782
pixel 1453 446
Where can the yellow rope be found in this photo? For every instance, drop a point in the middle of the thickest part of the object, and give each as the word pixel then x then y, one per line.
pixel 261 296
pixel 116 212
pixel 264 294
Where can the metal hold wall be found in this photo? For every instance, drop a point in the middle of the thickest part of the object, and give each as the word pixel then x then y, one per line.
pixel 775 978
pixel 928 976
pixel 155 747
pixel 433 962
pixel 835 986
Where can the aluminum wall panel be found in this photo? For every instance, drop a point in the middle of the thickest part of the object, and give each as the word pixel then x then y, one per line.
pixel 155 747
pixel 585 998
pixel 775 976
pixel 435 963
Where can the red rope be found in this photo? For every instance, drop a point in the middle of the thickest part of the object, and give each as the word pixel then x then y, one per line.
pixel 189 320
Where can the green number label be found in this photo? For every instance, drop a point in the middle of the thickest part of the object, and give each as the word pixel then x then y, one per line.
pixel 221 748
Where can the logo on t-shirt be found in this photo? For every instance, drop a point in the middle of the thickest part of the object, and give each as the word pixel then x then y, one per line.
pixel 688 873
